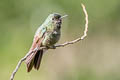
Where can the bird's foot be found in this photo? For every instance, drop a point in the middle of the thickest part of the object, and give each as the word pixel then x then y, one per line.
pixel 51 47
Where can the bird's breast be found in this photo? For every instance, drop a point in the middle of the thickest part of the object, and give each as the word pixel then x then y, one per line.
pixel 50 38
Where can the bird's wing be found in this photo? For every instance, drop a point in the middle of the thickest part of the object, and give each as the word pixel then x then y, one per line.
pixel 39 36
pixel 37 42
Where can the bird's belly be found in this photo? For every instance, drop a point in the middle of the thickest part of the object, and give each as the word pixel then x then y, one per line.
pixel 50 39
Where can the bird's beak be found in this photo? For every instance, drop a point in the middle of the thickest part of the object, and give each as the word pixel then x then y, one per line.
pixel 64 16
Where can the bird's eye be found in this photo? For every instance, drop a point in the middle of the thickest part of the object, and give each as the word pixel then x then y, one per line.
pixel 52 18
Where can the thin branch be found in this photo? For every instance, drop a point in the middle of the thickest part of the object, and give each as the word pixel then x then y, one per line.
pixel 85 31
pixel 20 62
pixel 16 69
pixel 54 47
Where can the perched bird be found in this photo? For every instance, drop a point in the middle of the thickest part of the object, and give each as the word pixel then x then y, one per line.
pixel 46 36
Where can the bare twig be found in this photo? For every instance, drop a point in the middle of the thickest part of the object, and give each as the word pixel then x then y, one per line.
pixel 19 63
pixel 85 31
pixel 59 45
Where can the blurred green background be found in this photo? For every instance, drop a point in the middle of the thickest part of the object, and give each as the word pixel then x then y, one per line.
pixel 95 58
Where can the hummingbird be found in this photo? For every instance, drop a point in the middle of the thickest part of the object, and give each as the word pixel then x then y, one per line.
pixel 46 36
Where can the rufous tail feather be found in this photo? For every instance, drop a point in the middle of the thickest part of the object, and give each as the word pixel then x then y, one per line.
pixel 34 59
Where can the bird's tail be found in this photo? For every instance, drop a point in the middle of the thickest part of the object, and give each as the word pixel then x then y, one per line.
pixel 34 59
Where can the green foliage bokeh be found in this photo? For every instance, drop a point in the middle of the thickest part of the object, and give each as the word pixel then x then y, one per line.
pixel 19 20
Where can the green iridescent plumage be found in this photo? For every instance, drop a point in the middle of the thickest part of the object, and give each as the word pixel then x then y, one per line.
pixel 50 29
pixel 46 35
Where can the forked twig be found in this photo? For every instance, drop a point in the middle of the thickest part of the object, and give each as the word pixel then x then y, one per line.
pixel 59 45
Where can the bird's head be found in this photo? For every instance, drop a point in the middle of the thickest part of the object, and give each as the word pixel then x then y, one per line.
pixel 55 19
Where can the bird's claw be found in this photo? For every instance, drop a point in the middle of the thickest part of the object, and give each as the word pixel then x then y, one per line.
pixel 51 47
